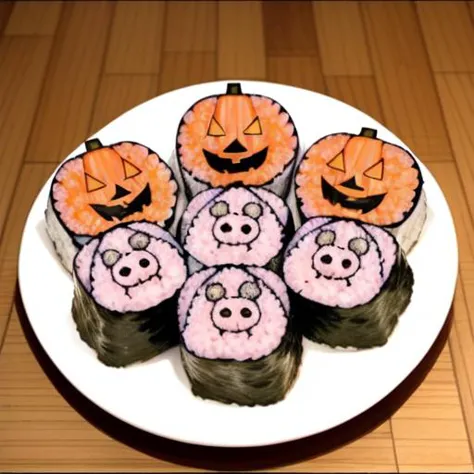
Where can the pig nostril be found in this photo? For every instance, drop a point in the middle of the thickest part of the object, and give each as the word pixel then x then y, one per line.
pixel 246 229
pixel 245 312
pixel 125 271
pixel 225 312
pixel 327 259
pixel 226 228
pixel 346 263
pixel 144 262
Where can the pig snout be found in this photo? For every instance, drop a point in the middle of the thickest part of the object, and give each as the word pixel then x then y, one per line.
pixel 234 230
pixel 137 267
pixel 235 314
pixel 333 262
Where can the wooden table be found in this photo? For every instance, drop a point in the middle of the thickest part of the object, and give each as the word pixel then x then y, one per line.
pixel 69 68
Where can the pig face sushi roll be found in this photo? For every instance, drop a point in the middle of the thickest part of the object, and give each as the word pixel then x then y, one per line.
pixel 106 186
pixel 236 138
pixel 362 177
pixel 238 226
pixel 349 282
pixel 126 284
pixel 238 343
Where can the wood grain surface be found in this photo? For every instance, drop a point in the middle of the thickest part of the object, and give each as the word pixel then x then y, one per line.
pixel 70 67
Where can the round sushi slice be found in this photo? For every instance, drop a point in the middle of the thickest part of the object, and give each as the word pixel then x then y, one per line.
pixel 362 177
pixel 106 186
pixel 238 226
pixel 238 343
pixel 237 138
pixel 126 285
pixel 349 282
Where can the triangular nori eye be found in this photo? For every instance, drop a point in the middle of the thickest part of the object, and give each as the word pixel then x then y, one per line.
pixel 337 163
pixel 254 128
pixel 375 171
pixel 129 170
pixel 215 129
pixel 93 184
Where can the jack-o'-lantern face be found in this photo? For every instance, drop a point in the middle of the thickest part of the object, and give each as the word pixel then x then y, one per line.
pixel 359 177
pixel 236 147
pixel 109 185
pixel 116 188
pixel 236 138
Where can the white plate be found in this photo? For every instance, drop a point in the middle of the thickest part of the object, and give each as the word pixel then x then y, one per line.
pixel 333 386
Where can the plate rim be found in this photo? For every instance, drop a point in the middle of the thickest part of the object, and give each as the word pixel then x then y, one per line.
pixel 217 84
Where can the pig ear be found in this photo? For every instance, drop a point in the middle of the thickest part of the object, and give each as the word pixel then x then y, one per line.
pixel 249 290
pixel 215 292
pixel 83 262
pixel 276 203
pixel 359 246
pixel 326 237
pixel 139 241
pixel 219 209
pixel 110 257
pixel 386 243
pixel 252 209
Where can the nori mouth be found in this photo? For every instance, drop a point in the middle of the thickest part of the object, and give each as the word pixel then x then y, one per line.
pixel 366 204
pixel 226 165
pixel 121 212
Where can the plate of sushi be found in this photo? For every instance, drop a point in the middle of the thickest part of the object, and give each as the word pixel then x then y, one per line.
pixel 238 263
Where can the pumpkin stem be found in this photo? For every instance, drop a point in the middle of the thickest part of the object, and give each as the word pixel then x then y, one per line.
pixel 368 132
pixel 93 144
pixel 234 88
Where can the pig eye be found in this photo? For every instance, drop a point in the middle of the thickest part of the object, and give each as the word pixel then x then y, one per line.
pixel 219 209
pixel 249 290
pixel 252 209
pixel 139 241
pixel 215 292
pixel 326 237
pixel 359 246
pixel 110 257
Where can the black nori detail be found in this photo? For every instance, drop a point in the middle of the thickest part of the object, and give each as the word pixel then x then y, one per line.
pixel 364 326
pixel 123 339
pixel 248 383
pixel 226 165
pixel 366 204
pixel 119 211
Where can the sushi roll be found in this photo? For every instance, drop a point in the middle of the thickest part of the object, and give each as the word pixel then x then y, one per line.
pixel 237 225
pixel 237 138
pixel 238 343
pixel 349 282
pixel 362 177
pixel 126 286
pixel 103 187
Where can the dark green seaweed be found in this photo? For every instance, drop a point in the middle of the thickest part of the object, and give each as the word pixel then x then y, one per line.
pixel 123 339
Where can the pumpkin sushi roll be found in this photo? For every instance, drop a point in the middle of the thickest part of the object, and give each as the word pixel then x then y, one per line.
pixel 237 138
pixel 237 225
pixel 126 285
pixel 362 177
pixel 349 282
pixel 238 343
pixel 106 186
